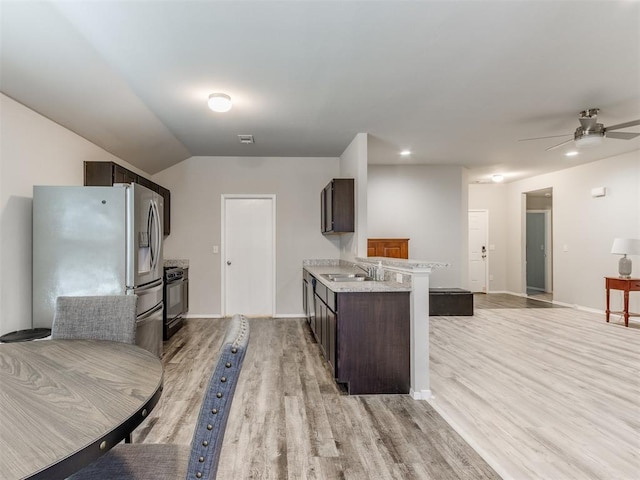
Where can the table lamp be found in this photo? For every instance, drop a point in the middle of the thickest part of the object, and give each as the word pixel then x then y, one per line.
pixel 624 247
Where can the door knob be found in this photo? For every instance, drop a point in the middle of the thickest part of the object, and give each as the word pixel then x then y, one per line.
pixel 228 262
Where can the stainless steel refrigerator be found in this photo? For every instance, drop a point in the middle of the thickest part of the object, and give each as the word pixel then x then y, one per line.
pixel 99 241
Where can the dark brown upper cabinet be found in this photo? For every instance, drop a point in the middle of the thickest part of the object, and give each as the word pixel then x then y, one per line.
pixel 104 174
pixel 337 206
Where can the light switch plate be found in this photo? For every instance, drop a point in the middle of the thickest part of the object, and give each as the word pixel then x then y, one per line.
pixel 399 277
pixel 216 249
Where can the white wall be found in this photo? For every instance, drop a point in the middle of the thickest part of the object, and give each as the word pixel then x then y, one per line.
pixel 492 197
pixel 33 151
pixel 428 205
pixel 585 225
pixel 353 164
pixel 196 186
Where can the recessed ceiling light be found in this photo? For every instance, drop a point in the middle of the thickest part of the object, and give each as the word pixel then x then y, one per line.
pixel 404 153
pixel 220 102
pixel 571 153
pixel 497 178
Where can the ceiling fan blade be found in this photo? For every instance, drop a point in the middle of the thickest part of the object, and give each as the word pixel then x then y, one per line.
pixel 632 123
pixel 559 145
pixel 540 138
pixel 622 135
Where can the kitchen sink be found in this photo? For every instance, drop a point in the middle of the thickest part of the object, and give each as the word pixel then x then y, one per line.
pixel 347 277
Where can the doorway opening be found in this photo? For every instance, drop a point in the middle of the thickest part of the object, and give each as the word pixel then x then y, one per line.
pixel 539 244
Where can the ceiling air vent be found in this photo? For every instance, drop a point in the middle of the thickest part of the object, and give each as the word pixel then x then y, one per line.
pixel 246 138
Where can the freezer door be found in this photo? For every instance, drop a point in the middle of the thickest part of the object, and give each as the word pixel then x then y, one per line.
pixel 79 245
pixel 149 317
pixel 144 236
pixel 149 331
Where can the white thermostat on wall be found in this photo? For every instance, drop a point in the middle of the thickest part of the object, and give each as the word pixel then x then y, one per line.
pixel 598 192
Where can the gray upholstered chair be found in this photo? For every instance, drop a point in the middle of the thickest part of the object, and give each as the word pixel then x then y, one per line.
pixel 111 317
pixel 200 460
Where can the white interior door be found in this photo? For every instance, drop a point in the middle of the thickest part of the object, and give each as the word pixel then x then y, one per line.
pixel 478 239
pixel 248 260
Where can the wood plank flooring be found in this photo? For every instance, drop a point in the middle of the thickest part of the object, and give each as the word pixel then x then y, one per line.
pixel 290 421
pixel 541 393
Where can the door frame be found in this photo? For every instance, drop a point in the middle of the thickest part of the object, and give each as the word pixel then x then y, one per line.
pixel 486 240
pixel 223 277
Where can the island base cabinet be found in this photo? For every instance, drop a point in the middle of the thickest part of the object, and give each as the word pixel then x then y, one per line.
pixel 373 342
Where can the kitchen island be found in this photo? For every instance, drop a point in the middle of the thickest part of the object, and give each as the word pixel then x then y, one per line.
pixel 362 327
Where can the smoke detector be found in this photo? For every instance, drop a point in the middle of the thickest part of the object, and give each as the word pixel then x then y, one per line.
pixel 246 139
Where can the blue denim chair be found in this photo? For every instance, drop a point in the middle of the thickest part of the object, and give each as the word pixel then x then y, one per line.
pixel 200 460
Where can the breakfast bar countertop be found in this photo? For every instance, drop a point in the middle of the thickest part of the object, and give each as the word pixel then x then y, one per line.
pixel 319 267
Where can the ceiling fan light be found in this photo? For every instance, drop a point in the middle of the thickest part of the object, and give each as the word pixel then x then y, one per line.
pixel 497 178
pixel 589 141
pixel 220 102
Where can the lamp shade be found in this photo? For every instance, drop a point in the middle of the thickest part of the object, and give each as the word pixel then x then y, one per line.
pixel 626 246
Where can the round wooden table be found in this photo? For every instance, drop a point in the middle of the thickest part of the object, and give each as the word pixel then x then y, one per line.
pixel 63 403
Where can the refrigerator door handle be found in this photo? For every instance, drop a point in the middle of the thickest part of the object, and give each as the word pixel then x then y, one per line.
pixel 148 313
pixel 156 240
pixel 159 232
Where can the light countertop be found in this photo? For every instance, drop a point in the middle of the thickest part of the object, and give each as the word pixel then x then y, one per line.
pixel 317 268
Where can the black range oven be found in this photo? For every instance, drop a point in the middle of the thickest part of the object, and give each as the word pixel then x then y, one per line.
pixel 174 300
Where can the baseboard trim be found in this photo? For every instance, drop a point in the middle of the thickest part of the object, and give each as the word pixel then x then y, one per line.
pixel 420 395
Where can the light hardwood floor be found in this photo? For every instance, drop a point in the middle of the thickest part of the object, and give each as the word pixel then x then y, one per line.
pixel 541 393
pixel 290 421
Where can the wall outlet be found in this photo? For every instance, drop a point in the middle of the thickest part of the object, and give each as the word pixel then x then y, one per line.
pixel 399 277
pixel 216 249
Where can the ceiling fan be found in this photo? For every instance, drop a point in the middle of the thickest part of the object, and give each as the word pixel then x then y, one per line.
pixel 590 132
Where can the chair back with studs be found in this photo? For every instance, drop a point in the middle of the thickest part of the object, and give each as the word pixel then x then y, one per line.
pixel 212 420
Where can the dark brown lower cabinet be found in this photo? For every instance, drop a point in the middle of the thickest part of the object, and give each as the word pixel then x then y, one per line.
pixel 373 338
pixel 365 338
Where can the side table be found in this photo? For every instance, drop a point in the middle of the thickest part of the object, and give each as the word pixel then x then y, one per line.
pixel 626 285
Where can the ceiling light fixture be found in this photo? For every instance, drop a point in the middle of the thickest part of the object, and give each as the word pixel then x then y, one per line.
pixel 571 153
pixel 497 178
pixel 404 153
pixel 589 140
pixel 220 102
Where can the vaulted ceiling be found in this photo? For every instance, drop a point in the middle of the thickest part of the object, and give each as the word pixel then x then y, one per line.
pixel 456 82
